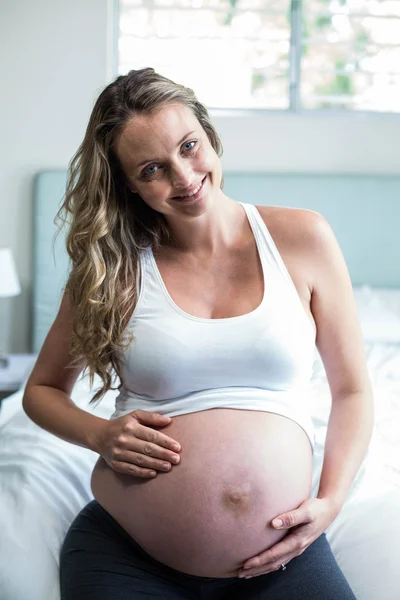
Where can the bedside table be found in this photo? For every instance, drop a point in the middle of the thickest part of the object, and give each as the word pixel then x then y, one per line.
pixel 12 376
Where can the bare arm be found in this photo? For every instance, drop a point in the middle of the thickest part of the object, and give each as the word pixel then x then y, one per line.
pixel 47 395
pixel 339 341
pixel 130 444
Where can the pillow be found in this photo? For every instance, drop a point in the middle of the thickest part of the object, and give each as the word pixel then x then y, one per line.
pixel 379 313
pixel 365 541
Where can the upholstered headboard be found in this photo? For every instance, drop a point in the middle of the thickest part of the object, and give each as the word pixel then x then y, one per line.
pixel 364 212
pixel 50 268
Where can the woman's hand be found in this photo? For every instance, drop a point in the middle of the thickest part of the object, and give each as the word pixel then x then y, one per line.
pixel 132 446
pixel 307 523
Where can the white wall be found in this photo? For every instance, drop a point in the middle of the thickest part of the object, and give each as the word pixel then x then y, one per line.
pixel 55 56
pixel 312 142
pixel 54 59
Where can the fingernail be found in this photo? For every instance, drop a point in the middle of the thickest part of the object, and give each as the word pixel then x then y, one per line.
pixel 277 523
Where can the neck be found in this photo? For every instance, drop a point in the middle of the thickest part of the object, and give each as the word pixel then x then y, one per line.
pixel 218 228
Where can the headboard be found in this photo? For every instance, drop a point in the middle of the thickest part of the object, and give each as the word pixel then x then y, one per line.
pixel 364 212
pixel 50 269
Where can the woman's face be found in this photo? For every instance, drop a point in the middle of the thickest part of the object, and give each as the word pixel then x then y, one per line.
pixel 166 156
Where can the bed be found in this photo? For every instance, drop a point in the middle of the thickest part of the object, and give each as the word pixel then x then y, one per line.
pixel 44 481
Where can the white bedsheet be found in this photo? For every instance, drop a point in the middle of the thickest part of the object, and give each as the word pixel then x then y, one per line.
pixel 44 482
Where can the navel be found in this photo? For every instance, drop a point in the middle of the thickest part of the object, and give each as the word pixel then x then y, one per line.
pixel 237 499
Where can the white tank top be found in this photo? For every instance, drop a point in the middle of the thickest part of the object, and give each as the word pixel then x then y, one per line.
pixel 262 360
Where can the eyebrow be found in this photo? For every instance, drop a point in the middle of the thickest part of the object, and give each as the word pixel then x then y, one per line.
pixel 144 162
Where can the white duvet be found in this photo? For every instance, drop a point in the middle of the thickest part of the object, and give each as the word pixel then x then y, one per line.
pixel 44 482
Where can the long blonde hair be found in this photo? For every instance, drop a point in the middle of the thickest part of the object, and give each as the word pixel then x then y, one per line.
pixel 108 226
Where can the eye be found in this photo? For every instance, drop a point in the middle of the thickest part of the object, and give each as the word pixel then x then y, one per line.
pixel 148 169
pixel 147 172
pixel 188 144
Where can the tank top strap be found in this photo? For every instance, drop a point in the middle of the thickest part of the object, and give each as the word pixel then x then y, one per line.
pixel 143 268
pixel 139 276
pixel 268 246
pixel 146 280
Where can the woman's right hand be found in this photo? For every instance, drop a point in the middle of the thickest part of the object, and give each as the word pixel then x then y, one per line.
pixel 132 446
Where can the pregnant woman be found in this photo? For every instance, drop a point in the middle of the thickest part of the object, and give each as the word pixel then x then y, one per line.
pixel 205 312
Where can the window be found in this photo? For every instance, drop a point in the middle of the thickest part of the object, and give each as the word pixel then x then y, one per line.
pixel 270 54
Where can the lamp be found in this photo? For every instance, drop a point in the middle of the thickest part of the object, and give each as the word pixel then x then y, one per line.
pixel 9 285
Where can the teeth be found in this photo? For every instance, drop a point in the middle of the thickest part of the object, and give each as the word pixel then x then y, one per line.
pixel 193 193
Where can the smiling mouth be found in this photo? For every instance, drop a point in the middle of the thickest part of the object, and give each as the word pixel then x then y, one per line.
pixel 192 194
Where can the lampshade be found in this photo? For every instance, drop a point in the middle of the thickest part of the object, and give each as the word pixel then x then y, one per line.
pixel 9 284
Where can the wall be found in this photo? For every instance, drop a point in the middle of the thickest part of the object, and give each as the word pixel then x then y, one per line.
pixel 56 56
pixel 54 59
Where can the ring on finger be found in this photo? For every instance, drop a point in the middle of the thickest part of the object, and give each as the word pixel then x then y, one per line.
pixel 284 565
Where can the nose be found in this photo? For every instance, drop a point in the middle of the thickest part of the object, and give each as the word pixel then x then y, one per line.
pixel 182 175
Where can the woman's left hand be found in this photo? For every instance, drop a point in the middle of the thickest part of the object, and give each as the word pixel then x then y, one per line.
pixel 307 522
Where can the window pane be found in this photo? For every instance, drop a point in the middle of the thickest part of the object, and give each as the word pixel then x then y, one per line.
pixel 351 55
pixel 233 54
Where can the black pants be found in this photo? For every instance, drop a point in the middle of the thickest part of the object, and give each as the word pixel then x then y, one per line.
pixel 100 561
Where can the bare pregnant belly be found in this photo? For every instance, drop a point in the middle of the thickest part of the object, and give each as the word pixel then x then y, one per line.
pixel 238 470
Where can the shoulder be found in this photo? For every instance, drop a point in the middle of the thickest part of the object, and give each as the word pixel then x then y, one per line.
pixel 292 221
pixel 299 227
pixel 304 237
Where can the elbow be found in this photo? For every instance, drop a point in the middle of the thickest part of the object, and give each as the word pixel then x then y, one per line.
pixel 26 399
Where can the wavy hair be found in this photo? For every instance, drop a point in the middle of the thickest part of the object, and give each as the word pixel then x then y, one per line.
pixel 108 226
